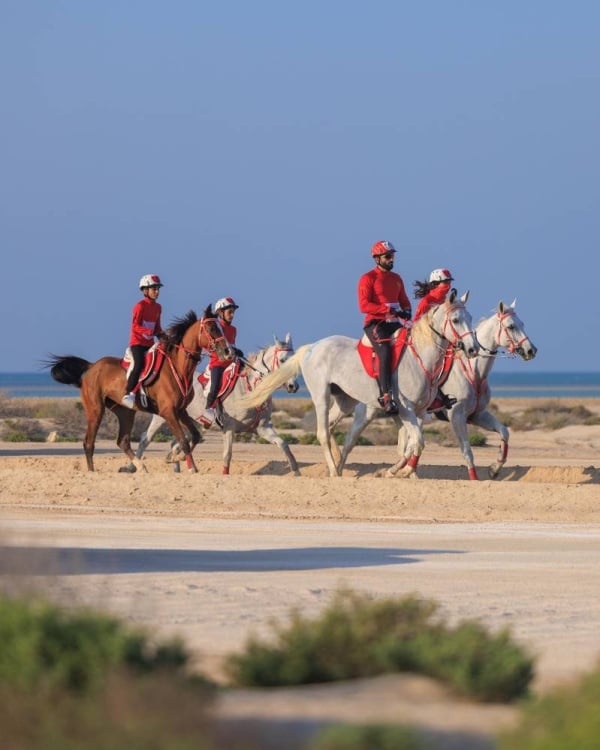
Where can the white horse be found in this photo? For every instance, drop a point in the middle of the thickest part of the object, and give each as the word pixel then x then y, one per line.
pixel 468 383
pixel 237 418
pixel 332 367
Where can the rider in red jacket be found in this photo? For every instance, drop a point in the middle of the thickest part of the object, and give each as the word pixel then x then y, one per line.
pixel 225 309
pixel 433 292
pixel 384 302
pixel 145 325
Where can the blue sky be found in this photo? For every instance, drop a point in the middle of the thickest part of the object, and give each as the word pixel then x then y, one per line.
pixel 258 149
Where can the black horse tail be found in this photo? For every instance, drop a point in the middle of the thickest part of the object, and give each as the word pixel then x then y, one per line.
pixel 68 370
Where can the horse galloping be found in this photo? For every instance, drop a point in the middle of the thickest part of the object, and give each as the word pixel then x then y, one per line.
pixel 102 384
pixel 468 382
pixel 235 418
pixel 332 367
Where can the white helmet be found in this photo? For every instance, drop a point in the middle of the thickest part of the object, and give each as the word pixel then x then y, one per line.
pixel 439 275
pixel 224 303
pixel 150 279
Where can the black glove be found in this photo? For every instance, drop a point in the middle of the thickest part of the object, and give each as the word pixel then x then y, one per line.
pixel 163 337
pixel 238 353
pixel 405 314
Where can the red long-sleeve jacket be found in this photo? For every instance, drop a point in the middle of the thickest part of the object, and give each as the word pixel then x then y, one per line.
pixel 433 297
pixel 375 289
pixel 145 322
pixel 230 332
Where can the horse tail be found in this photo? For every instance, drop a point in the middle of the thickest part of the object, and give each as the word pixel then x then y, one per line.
pixel 275 379
pixel 68 370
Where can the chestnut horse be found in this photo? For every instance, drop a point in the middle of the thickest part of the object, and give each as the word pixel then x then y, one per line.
pixel 102 384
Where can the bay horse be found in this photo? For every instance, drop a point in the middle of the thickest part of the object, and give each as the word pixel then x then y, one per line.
pixel 332 367
pixel 102 384
pixel 235 418
pixel 467 382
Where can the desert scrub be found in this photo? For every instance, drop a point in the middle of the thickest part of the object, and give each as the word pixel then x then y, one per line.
pixel 22 431
pixel 565 718
pixel 42 644
pixel 83 681
pixel 357 636
pixel 367 737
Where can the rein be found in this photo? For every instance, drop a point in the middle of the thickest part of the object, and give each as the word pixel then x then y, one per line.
pixel 433 377
pixel 185 380
pixel 512 345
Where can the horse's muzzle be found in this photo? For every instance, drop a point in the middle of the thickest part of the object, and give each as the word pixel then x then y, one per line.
pixel 527 353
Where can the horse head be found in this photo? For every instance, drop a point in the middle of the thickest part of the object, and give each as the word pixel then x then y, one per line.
pixel 211 336
pixel 511 332
pixel 451 320
pixel 280 352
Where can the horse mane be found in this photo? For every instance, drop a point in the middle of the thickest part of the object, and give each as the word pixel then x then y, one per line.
pixel 421 331
pixel 180 325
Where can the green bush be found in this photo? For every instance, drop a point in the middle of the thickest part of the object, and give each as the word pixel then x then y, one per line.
pixel 477 439
pixel 367 737
pixel 43 645
pixel 564 719
pixel 357 636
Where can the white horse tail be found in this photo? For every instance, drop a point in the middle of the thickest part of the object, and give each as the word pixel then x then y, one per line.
pixel 275 379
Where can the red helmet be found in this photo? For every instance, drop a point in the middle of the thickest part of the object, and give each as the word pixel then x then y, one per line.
pixel 381 248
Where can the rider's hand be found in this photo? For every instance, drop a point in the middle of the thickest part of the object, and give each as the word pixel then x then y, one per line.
pixel 405 314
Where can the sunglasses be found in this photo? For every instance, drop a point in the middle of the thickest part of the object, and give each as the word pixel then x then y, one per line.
pixel 386 256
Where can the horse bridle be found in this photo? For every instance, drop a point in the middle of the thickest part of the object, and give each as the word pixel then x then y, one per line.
pixel 513 346
pixel 457 341
pixel 276 363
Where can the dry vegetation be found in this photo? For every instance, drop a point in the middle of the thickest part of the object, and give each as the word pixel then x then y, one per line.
pixel 34 419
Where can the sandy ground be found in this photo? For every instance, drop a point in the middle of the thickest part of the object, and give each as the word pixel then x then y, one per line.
pixel 214 558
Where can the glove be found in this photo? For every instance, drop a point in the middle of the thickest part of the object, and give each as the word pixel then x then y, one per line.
pixel 393 307
pixel 163 337
pixel 238 352
pixel 405 314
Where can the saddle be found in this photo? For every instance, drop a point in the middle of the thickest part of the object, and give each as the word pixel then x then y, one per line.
pixel 230 377
pixel 369 356
pixel 155 356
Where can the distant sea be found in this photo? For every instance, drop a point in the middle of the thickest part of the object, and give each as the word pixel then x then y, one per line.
pixel 504 385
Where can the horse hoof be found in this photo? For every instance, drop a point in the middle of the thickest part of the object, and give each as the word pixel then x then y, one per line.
pixel 493 471
pixel 129 469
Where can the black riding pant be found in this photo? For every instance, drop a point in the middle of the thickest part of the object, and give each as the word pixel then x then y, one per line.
pixel 138 354
pixel 379 334
pixel 216 376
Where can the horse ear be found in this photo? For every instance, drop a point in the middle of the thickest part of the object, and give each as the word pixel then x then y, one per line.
pixel 452 295
pixel 465 297
pixel 501 307
pixel 513 304
pixel 288 338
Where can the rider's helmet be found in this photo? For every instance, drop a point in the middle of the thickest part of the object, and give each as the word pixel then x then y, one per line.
pixel 225 303
pixel 381 248
pixel 440 275
pixel 150 279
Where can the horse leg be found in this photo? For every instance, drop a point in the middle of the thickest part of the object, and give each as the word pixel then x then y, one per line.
pixel 489 422
pixel 171 418
pixel 147 436
pixel 267 432
pixel 459 425
pixel 126 418
pixel 227 450
pixel 414 444
pixel 412 463
pixel 93 404
pixel 363 415
pixel 321 402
